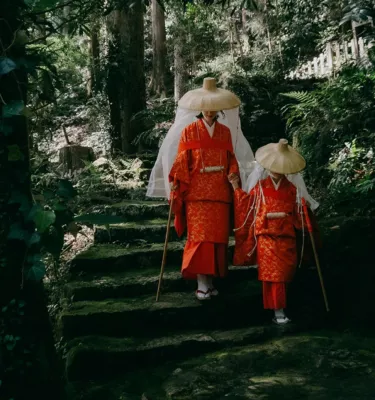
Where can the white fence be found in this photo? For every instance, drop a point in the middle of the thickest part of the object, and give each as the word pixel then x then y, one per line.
pixel 335 55
pixel 330 61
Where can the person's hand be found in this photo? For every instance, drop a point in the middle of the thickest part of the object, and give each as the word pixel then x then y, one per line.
pixel 173 186
pixel 234 180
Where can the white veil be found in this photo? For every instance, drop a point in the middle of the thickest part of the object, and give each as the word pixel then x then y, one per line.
pixel 260 173
pixel 158 185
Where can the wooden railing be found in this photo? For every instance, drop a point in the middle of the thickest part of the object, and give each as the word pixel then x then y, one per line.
pixel 335 55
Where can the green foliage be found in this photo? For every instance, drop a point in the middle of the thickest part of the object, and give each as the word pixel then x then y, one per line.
pixel 157 118
pixel 6 65
pixel 334 126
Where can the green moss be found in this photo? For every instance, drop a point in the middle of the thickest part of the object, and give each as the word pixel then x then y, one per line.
pixel 138 224
pixel 103 251
pixel 175 300
pixel 140 276
pixel 295 367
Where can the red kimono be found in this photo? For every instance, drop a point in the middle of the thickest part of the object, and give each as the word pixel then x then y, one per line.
pixel 202 200
pixel 271 243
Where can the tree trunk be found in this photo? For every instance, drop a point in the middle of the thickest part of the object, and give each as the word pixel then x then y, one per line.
pixel 180 74
pixel 66 26
pixel 126 82
pixel 94 48
pixel 245 35
pixel 158 80
pixel 73 157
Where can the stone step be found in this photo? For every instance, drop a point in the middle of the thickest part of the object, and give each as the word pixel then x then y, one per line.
pixel 151 231
pixel 132 191
pixel 177 311
pixel 140 282
pixel 324 364
pixel 135 210
pixel 97 357
pixel 117 258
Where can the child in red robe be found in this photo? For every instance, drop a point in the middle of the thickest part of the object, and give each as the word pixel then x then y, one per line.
pixel 267 216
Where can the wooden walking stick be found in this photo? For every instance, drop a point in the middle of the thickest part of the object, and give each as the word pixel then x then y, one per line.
pixel 165 249
pixel 319 270
pixel 309 228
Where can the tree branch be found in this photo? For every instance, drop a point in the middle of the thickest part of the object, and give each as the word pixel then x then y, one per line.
pixel 52 9
pixel 55 31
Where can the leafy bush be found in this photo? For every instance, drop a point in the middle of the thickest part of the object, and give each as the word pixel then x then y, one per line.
pixel 334 127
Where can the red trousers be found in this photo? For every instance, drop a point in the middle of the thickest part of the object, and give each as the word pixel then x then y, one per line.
pixel 274 295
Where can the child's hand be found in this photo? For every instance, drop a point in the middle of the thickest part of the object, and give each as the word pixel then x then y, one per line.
pixel 173 186
pixel 234 180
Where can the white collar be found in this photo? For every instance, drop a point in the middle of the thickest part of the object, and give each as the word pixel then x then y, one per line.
pixel 276 185
pixel 210 129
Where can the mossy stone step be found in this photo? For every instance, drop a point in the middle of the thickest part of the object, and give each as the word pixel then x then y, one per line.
pixel 152 231
pixel 138 316
pixel 134 192
pixel 136 210
pixel 97 357
pixel 141 282
pixel 111 257
pixel 320 365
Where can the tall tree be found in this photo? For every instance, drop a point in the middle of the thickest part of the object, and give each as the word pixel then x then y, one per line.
pixel 94 48
pixel 125 80
pixel 158 80
pixel 180 71
pixel 14 145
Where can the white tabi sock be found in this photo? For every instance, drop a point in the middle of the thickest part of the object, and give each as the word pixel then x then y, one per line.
pixel 202 283
pixel 279 313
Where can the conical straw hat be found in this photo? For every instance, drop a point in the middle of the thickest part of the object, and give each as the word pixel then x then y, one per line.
pixel 209 98
pixel 280 158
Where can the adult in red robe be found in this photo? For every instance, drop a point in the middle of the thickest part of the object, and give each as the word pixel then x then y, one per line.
pixel 202 198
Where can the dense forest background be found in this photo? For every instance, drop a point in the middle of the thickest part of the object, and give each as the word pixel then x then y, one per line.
pixel 99 80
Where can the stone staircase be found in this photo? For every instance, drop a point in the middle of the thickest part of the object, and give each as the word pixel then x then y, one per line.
pixel 116 335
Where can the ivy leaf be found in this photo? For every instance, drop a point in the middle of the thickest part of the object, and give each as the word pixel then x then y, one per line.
pixel 66 189
pixel 37 271
pixel 53 241
pixel 13 108
pixel 42 219
pixel 15 153
pixel 35 238
pixel 6 65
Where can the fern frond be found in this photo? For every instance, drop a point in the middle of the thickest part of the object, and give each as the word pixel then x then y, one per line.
pixel 301 97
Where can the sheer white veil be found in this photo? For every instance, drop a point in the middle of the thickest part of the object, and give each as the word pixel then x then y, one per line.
pixel 260 173
pixel 158 185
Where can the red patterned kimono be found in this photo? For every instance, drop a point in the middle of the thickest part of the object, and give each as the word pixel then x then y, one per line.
pixel 202 200
pixel 271 243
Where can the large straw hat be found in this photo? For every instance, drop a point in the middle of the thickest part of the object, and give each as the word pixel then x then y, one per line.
pixel 209 98
pixel 280 158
